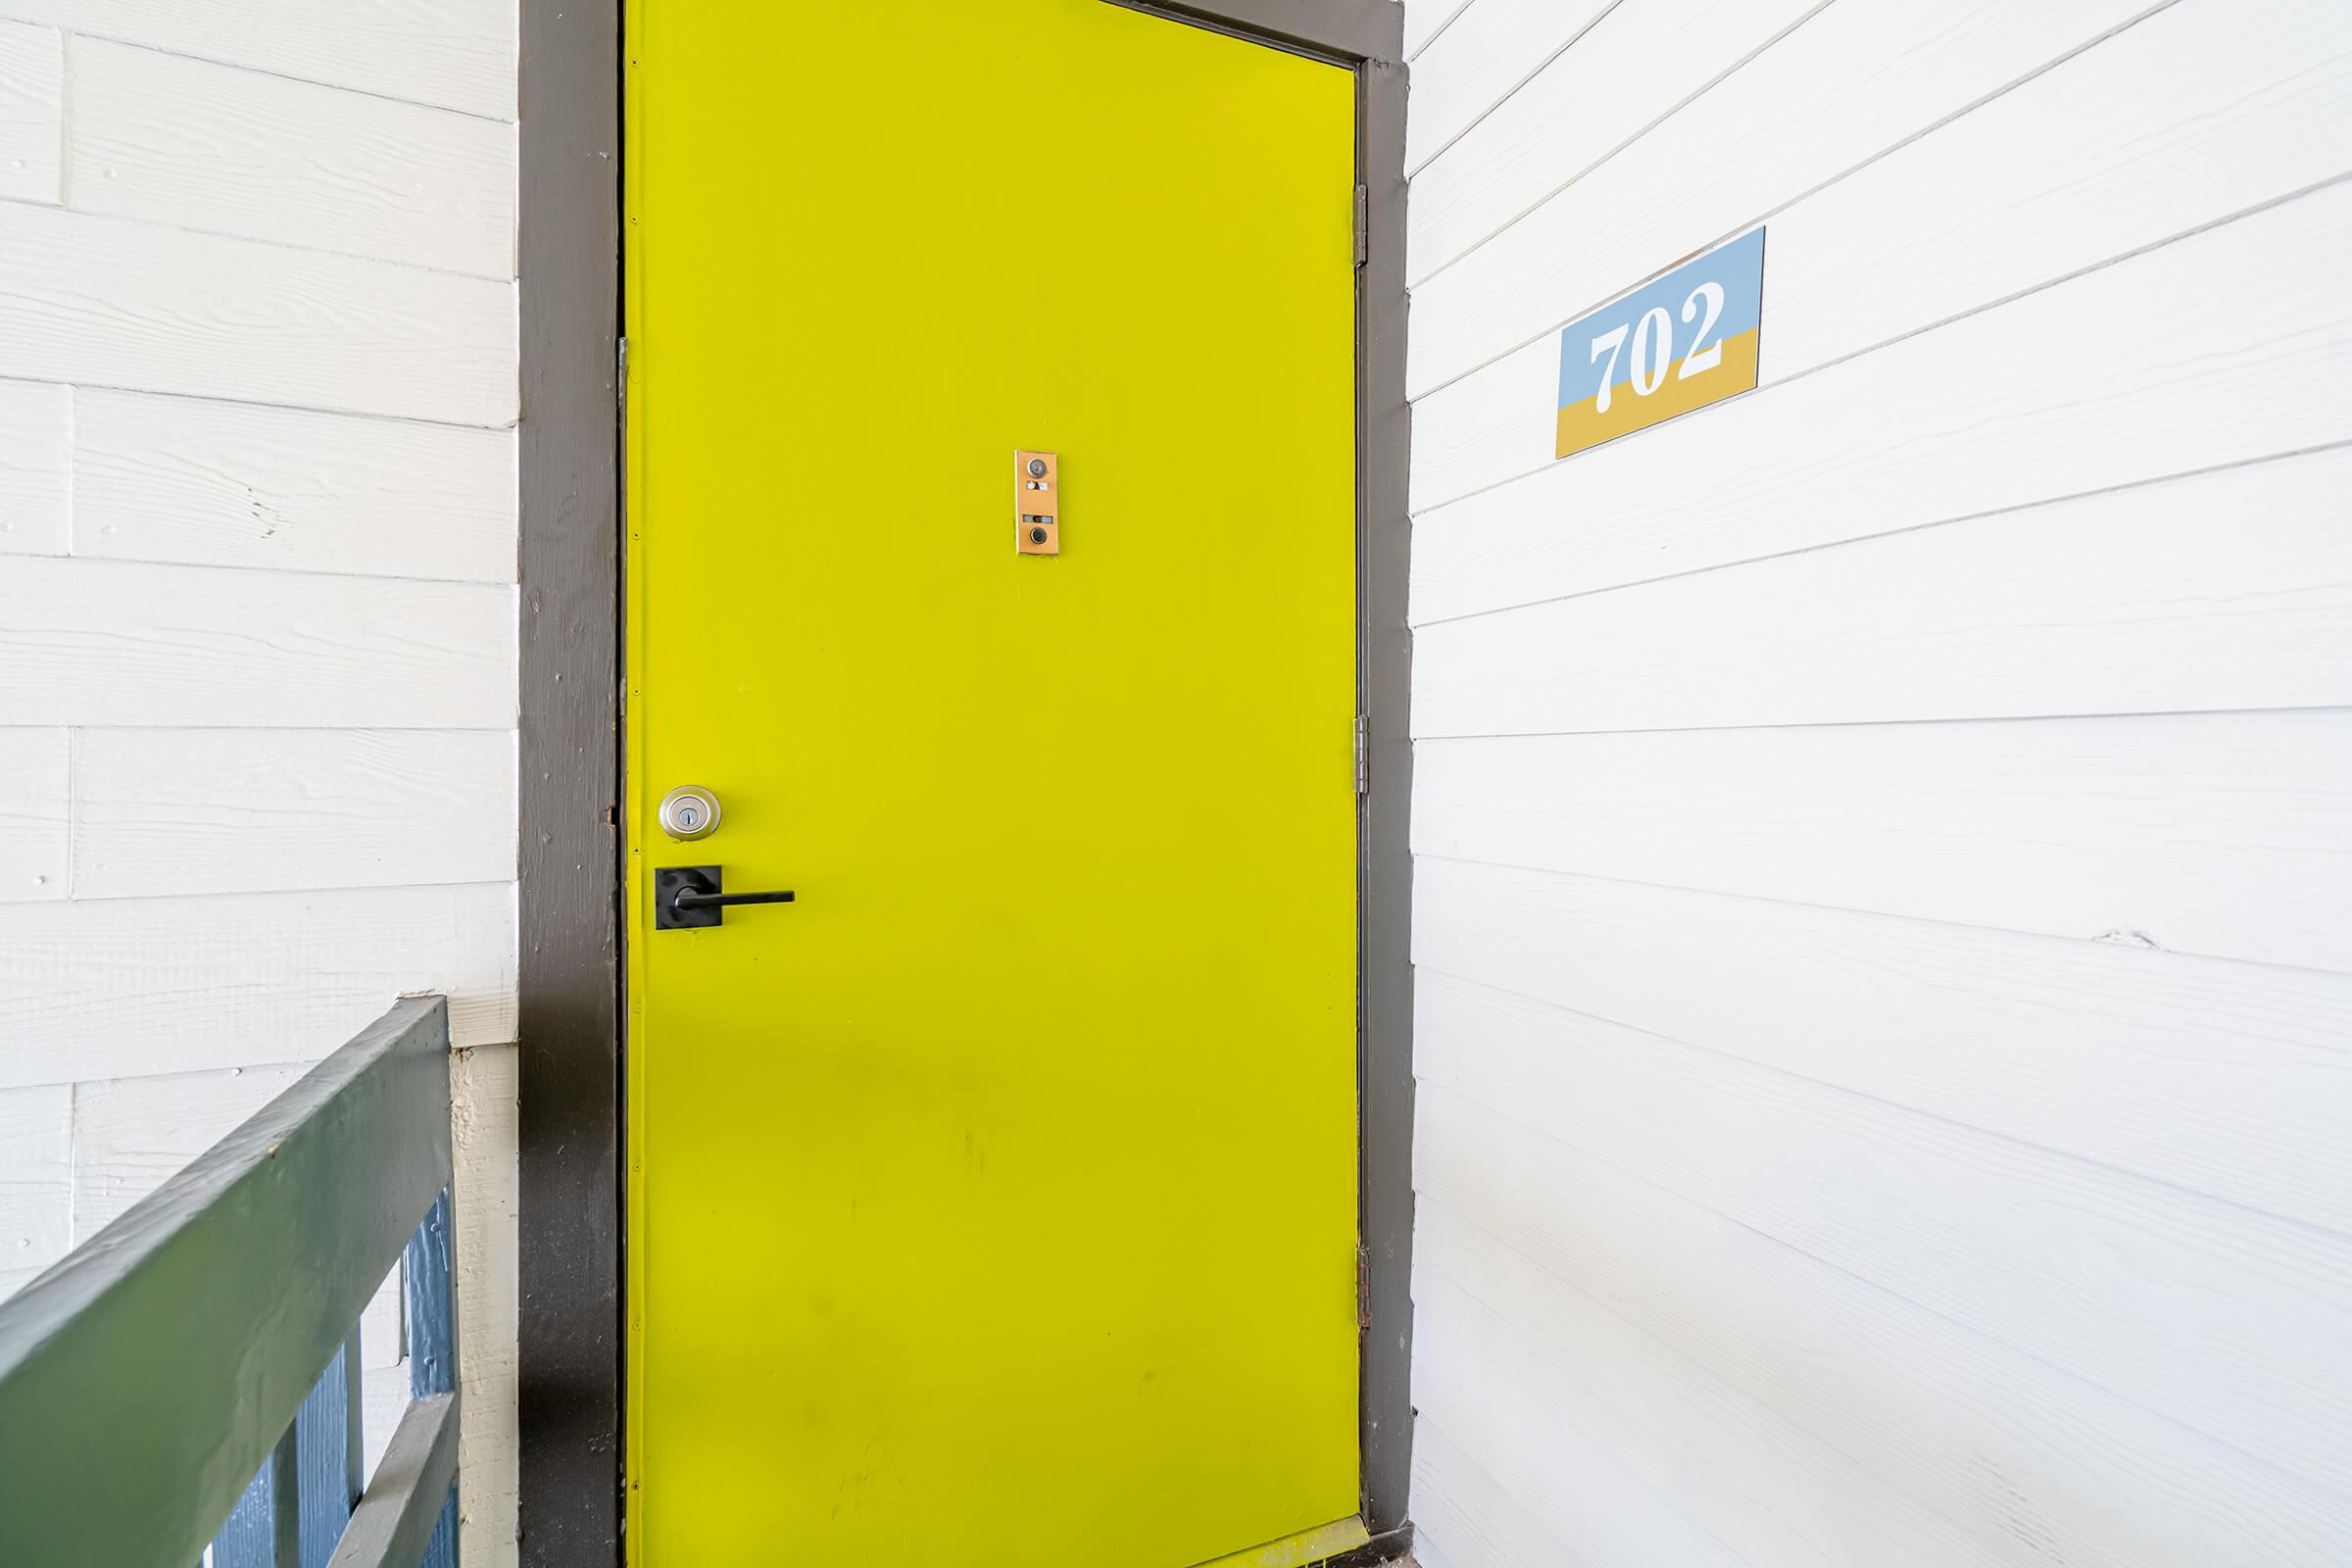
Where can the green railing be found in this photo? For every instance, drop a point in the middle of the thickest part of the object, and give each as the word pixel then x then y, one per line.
pixel 189 1376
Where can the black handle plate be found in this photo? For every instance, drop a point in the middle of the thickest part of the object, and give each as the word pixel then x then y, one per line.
pixel 688 897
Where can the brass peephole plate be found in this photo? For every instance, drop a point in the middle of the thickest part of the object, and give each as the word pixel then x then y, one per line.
pixel 1037 503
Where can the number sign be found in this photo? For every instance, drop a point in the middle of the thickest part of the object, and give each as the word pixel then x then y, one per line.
pixel 1676 343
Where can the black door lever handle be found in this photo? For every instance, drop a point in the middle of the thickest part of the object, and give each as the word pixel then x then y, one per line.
pixel 719 901
pixel 690 897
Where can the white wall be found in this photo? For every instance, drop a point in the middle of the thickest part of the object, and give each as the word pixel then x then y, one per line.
pixel 1884 891
pixel 257 599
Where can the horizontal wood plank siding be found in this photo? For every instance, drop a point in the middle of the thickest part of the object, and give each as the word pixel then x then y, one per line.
pixel 117 987
pixel 114 302
pixel 1975 1429
pixel 1864 77
pixel 128 643
pixel 37 1180
pixel 455 53
pixel 1884 862
pixel 220 811
pixel 1956 223
pixel 232 484
pixel 133 1134
pixel 1424 20
pixel 2214 834
pixel 1488 51
pixel 259 618
pixel 210 147
pixel 1982 416
pixel 2135 603
pixel 2228 1308
pixel 32 77
pixel 2227 1079
pixel 36 785
pixel 36 469
pixel 1639 62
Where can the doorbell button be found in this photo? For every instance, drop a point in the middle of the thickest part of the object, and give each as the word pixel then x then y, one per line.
pixel 689 812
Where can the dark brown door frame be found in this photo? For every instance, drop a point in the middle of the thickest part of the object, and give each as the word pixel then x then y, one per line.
pixel 568 255
pixel 569 260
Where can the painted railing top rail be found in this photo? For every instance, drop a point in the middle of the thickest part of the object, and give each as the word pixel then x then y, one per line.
pixel 192 1368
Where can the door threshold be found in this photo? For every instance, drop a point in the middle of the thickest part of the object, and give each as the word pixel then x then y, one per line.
pixel 1299 1550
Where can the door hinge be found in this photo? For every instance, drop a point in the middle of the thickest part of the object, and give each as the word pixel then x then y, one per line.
pixel 1363 1289
pixel 1364 754
pixel 620 374
pixel 1363 224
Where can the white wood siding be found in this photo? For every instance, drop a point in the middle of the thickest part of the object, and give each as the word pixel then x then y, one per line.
pixel 211 147
pixel 32 104
pixel 1884 848
pixel 257 613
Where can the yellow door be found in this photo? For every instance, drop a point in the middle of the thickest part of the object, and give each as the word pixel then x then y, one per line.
pixel 995 1202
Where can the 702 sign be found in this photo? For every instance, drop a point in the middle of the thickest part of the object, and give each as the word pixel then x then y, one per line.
pixel 1692 336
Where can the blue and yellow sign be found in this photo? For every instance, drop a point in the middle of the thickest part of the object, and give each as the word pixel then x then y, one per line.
pixel 1676 343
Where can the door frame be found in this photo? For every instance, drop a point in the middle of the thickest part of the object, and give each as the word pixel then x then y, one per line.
pixel 571 870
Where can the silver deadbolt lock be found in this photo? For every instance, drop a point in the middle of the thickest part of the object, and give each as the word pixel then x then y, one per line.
pixel 689 812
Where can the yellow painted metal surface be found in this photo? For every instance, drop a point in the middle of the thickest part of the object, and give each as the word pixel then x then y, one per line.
pixel 995 1204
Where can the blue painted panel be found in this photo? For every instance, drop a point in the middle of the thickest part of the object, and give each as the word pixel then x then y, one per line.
pixel 322 1459
pixel 434 1341
pixel 261 1531
pixel 442 1550
pixel 433 1303
pixel 248 1537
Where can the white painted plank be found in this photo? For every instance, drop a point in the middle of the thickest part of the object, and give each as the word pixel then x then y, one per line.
pixel 2064 392
pixel 1856 80
pixel 484 1091
pixel 2206 110
pixel 2021 1453
pixel 2193 115
pixel 1424 20
pixel 37 1182
pixel 455 53
pixel 1639 61
pixel 121 988
pixel 31 111
pixel 214 810
pixel 1463 1516
pixel 1574 1486
pixel 2226 590
pixel 101 642
pixel 1490 1315
pixel 132 1135
pixel 36 469
pixel 2205 1312
pixel 228 485
pixel 1488 51
pixel 211 147
pixel 383 1400
pixel 110 302
pixel 2222 834
pixel 34 773
pixel 2229 1079
pixel 380 1325
pixel 1496 424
